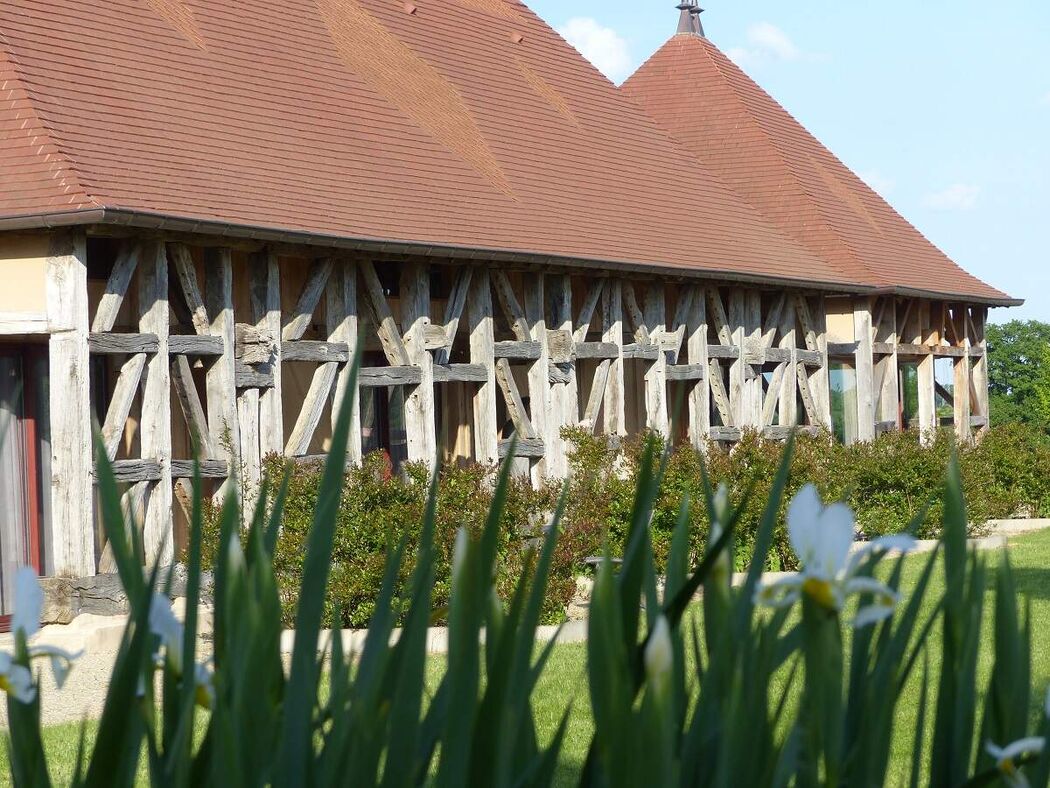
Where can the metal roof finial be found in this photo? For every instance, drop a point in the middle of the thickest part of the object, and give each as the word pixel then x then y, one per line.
pixel 695 12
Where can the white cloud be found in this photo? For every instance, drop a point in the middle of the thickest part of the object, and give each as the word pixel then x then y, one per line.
pixel 766 43
pixel 601 45
pixel 878 182
pixel 957 197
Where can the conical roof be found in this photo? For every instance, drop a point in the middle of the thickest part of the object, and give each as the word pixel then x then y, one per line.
pixel 741 134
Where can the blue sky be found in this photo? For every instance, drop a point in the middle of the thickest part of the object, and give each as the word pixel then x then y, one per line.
pixel 943 107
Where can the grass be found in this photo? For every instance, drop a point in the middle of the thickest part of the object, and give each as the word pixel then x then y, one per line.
pixel 564 680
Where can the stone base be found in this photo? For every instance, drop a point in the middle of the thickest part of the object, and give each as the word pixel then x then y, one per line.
pixel 66 598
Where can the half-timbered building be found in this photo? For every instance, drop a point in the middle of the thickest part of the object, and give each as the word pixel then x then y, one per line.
pixel 204 204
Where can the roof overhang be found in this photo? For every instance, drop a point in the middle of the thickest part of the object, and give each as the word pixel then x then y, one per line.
pixel 158 221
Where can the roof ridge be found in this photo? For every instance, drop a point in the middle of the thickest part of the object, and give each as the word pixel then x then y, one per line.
pixel 831 226
pixel 57 161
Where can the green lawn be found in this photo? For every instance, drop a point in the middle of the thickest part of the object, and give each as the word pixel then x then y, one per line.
pixel 564 681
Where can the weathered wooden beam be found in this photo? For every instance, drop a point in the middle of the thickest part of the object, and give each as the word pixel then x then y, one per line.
pixel 382 377
pixel 559 346
pixel 221 377
pixel 341 321
pixel 556 373
pixel 725 434
pixel 600 350
pixel 539 382
pixel 699 397
pixel 192 409
pixel 517 349
pixel 252 344
pixel 564 397
pixel 122 344
pixel 773 321
pixel 193 345
pixel 264 277
pixel 124 392
pixel 926 375
pixel 209 469
pixel 677 328
pixel 314 403
pixel 460 373
pixel 780 433
pixel 131 471
pixel 116 288
pixel 805 318
pixel 842 348
pixel 519 415
pixel 597 394
pixel 586 313
pixel 686 372
pixel 186 272
pixel 532 448
pixel 787 403
pixel 383 318
pixel 719 394
pixel 774 355
pixel 248 377
pixel 951 352
pixel 865 369
pixel 315 350
pixel 420 425
pixel 882 348
pixel 482 353
pixel 656 414
pixel 723 351
pixel 807 394
pixel 509 304
pixel 155 427
pixel 436 338
pixel 773 394
pixel 635 318
pixel 811 358
pixel 303 313
pixel 641 352
pixel 717 315
pixel 457 299
pixel 613 410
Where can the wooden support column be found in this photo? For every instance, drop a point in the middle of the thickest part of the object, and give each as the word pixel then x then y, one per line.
pixel 612 324
pixel 927 374
pixel 221 376
pixel 886 367
pixel 419 400
pixel 655 316
pixel 565 406
pixel 73 550
pixel 961 393
pixel 979 405
pixel 342 324
pixel 265 276
pixel 820 379
pixel 865 366
pixel 696 351
pixel 539 372
pixel 753 352
pixel 737 318
pixel 787 405
pixel 155 433
pixel 482 351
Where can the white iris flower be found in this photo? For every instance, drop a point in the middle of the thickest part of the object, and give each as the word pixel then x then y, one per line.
pixel 822 538
pixel 16 678
pixel 1006 758
pixel 163 624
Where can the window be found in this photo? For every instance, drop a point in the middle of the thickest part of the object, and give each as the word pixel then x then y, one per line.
pixel 844 416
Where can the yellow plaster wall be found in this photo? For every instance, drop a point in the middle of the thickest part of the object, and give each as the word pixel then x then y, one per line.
pixel 23 265
pixel 840 324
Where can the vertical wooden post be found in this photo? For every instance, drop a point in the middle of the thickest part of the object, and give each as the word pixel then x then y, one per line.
pixel 979 406
pixel 221 380
pixel 820 381
pixel 70 404
pixel 612 333
pixel 787 405
pixel 156 405
pixel 752 350
pixel 265 276
pixel 737 369
pixel 887 369
pixel 656 376
pixel 482 350
pixel 341 323
pixel 565 408
pixel 419 401
pixel 927 375
pixel 865 363
pixel 961 393
pixel 539 372
pixel 696 349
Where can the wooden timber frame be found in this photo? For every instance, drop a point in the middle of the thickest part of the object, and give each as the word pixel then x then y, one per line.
pixel 233 351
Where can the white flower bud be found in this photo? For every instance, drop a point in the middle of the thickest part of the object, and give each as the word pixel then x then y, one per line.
pixel 658 655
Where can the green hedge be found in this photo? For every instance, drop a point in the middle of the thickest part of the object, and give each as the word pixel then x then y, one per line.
pixel 886 482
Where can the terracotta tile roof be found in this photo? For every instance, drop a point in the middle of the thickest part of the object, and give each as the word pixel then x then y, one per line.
pixel 462 123
pixel 737 130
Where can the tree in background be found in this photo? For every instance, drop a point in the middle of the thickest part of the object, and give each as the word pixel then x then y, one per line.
pixel 1019 372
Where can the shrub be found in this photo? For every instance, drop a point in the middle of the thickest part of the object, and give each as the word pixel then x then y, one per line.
pixel 736 711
